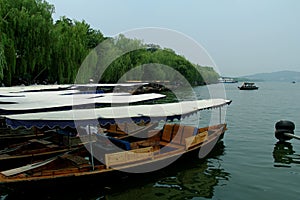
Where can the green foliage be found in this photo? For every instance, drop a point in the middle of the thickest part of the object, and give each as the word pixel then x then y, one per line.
pixel 36 49
pixel 209 74
pixel 152 63
pixel 26 26
pixel 70 48
pixel 33 48
pixel 3 64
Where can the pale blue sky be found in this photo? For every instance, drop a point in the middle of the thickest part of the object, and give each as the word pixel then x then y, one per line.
pixel 242 36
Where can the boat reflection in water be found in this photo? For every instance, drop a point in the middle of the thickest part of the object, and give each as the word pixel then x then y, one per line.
pixel 284 155
pixel 186 178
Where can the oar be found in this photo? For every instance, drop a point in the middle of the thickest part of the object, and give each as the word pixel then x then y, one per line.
pixel 284 130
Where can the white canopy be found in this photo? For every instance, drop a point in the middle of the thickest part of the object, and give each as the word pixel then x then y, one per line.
pixel 73 118
pixel 109 85
pixel 53 100
pixel 15 89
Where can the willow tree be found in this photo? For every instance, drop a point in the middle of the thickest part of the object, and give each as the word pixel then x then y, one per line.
pixel 27 26
pixel 151 62
pixel 3 63
pixel 73 43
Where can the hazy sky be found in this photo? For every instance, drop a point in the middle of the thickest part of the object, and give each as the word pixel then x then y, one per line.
pixel 242 36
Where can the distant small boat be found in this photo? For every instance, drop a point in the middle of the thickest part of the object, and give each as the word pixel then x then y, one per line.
pixel 294 82
pixel 227 80
pixel 248 86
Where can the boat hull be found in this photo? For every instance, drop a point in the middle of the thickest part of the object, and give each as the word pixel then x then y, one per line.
pixel 244 88
pixel 86 176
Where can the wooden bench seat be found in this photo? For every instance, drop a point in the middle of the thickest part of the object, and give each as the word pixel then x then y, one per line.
pixel 176 134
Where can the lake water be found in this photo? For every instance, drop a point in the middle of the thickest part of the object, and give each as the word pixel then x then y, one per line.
pixel 247 164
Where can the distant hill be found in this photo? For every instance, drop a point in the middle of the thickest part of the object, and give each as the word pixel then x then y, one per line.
pixel 286 76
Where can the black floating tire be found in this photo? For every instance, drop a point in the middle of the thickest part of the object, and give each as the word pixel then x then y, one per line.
pixel 285 125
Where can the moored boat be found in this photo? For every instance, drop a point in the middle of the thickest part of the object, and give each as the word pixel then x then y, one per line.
pixel 59 141
pixel 248 86
pixel 104 155
pixel 147 155
pixel 36 149
pixel 227 80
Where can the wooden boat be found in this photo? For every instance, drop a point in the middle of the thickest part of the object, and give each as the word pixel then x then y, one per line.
pixel 9 137
pixel 104 155
pixel 227 80
pixel 36 149
pixel 248 86
pixel 159 150
pixel 44 99
pixel 56 143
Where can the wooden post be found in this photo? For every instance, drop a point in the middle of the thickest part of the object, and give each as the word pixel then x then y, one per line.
pixel 91 147
pixel 220 109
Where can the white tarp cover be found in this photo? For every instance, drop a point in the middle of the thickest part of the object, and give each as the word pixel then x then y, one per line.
pixel 109 85
pixel 74 118
pixel 16 89
pixel 47 100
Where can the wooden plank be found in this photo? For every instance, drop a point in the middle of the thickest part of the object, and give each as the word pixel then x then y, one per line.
pixel 177 134
pixel 78 160
pixel 25 168
pixel 128 156
pixel 167 132
pixel 195 140
pixel 45 142
pixel 188 132
pixel 170 144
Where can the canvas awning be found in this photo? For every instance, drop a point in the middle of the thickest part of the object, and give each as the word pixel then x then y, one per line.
pixel 53 101
pixel 103 85
pixel 45 88
pixel 83 117
pixel 17 89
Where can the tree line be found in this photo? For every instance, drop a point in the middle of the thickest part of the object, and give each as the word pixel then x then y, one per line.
pixel 35 49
